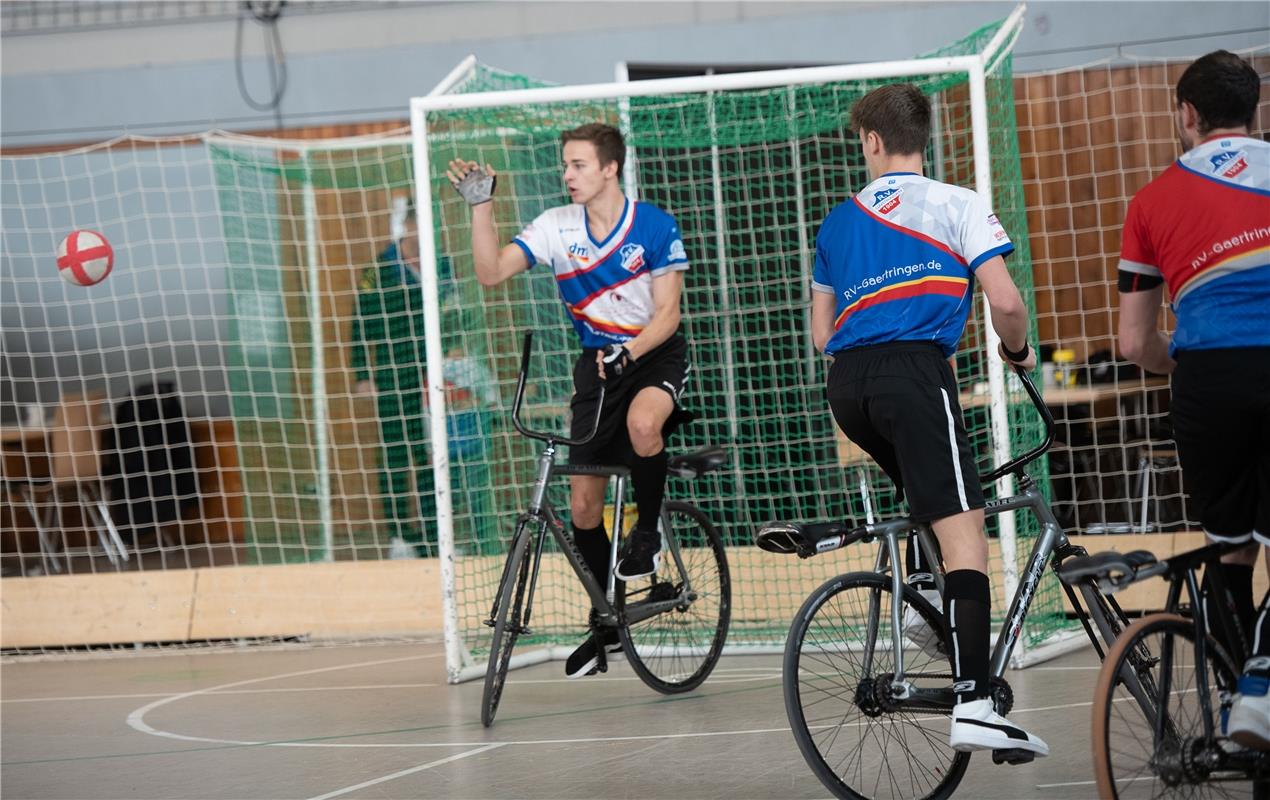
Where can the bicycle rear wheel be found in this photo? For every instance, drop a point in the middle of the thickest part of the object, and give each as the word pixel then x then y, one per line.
pixel 1128 760
pixel 859 742
pixel 675 650
pixel 507 619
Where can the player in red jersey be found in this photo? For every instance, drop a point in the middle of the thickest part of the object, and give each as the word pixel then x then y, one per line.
pixel 1203 229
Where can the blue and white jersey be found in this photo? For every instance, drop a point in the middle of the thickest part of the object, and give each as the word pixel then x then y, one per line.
pixel 900 257
pixel 607 287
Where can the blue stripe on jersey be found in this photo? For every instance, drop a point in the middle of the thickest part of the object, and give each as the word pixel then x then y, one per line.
pixel 1004 250
pixel 891 286
pixel 1220 182
pixel 1231 312
pixel 529 254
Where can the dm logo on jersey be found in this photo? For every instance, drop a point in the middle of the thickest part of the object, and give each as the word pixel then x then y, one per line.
pixel 887 200
pixel 632 257
pixel 1229 162
pixel 577 252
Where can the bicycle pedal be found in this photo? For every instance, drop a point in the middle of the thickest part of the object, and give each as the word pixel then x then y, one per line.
pixel 1013 756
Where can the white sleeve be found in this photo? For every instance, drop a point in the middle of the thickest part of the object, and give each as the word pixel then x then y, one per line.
pixel 535 241
pixel 982 235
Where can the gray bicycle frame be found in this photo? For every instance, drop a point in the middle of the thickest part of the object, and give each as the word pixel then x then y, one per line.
pixel 602 599
pixel 1052 538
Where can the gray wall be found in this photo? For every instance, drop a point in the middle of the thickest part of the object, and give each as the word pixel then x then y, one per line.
pixel 364 62
pixel 165 312
pixel 161 315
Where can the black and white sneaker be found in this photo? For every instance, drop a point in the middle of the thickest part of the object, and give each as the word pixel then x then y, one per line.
pixel 977 726
pixel 642 555
pixel 586 659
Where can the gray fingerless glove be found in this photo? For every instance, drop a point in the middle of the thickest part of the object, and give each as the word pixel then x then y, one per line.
pixel 476 187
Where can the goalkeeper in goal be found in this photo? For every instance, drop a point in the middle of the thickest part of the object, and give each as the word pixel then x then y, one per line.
pixel 619 267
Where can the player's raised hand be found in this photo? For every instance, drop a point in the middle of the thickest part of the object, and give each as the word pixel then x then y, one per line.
pixel 474 184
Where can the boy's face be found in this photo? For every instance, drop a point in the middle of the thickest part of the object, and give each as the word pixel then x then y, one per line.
pixel 584 177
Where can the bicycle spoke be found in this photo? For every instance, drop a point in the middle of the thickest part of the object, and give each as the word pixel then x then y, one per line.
pixel 850 732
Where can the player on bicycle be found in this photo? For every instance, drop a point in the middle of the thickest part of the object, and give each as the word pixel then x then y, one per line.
pixel 619 267
pixel 1203 228
pixel 892 289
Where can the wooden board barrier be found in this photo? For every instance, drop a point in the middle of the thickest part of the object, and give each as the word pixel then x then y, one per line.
pixel 357 599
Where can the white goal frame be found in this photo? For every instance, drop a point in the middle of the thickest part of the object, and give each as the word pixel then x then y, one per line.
pixel 976 67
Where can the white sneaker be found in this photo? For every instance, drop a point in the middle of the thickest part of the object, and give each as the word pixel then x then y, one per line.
pixel 918 631
pixel 1249 722
pixel 976 726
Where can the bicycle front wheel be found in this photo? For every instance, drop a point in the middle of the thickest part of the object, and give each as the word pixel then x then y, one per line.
pixel 839 663
pixel 675 650
pixel 1130 706
pixel 507 620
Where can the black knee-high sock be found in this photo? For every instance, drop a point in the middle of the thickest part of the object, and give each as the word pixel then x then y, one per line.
pixel 1238 580
pixel 648 478
pixel 593 544
pixel 967 602
pixel 916 568
pixel 1259 663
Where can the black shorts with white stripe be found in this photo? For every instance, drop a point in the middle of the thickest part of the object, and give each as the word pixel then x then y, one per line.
pixel 898 402
pixel 668 368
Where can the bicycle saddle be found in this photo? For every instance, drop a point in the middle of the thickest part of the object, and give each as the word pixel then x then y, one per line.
pixel 790 537
pixel 690 465
pixel 1111 569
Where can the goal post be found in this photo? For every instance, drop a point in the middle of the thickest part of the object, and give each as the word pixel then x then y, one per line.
pixel 748 163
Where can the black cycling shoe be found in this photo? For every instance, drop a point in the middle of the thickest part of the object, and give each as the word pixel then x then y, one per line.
pixel 586 659
pixel 641 556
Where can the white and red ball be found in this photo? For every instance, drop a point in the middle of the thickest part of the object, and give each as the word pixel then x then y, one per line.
pixel 85 258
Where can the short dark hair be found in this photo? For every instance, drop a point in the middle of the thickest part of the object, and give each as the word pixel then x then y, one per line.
pixel 608 141
pixel 899 113
pixel 1224 90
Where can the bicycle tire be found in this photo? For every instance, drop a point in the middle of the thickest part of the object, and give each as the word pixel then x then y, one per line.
pixel 818 644
pixel 1128 762
pixel 676 650
pixel 507 622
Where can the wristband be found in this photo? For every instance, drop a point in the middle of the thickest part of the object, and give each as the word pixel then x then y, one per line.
pixel 1016 355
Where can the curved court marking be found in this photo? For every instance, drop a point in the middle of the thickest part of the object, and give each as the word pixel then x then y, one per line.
pixel 136 719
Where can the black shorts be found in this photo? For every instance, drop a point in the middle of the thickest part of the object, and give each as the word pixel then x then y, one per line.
pixel 1221 421
pixel 898 402
pixel 666 367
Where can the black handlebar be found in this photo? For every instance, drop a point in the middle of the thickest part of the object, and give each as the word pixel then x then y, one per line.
pixel 1048 418
pixel 520 396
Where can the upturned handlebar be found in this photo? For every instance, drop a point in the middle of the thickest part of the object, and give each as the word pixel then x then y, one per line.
pixel 520 396
pixel 1048 418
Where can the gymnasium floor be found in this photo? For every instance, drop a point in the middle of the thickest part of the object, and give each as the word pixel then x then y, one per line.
pixel 380 722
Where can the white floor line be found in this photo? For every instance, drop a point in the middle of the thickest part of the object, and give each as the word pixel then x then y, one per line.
pixel 136 719
pixel 281 690
pixel 404 772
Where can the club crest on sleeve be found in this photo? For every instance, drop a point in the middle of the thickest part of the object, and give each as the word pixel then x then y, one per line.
pixel 1229 163
pixel 677 251
pixel 632 257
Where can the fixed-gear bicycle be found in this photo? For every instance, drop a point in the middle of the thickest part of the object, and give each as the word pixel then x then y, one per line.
pixel 1171 743
pixel 672 624
pixel 867 674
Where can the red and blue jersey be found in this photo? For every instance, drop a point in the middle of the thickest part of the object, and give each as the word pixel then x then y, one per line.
pixel 900 257
pixel 1203 226
pixel 607 286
